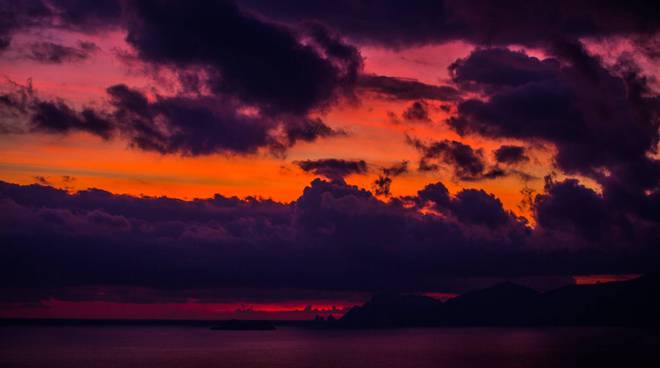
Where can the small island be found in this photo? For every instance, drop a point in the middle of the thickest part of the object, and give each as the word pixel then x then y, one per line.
pixel 242 325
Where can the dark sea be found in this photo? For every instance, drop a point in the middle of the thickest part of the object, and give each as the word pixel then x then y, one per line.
pixel 293 347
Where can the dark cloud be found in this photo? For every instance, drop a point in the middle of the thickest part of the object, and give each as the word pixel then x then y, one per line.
pixel 189 126
pixel 168 125
pixel 57 117
pixel 52 53
pixel 261 63
pixel 596 117
pixel 399 23
pixel 467 163
pixel 499 67
pixel 417 111
pixel 604 124
pixel 405 88
pixel 85 15
pixel 19 106
pixel 469 206
pixel 571 213
pixel 436 194
pixel 333 169
pixel 397 169
pixel 511 154
pixel 392 23
pixel 570 207
pixel 308 130
pixel 5 41
pixel 381 185
pixel 79 15
pixel 478 207
pixel 15 15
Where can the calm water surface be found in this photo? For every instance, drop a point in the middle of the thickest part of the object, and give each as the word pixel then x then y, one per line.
pixel 187 347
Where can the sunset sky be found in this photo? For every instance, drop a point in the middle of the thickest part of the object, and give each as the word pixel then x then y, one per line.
pixel 260 159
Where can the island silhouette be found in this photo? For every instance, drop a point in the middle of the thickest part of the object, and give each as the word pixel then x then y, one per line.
pixel 625 303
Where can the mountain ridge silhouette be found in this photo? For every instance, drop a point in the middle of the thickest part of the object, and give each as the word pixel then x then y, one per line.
pixel 624 303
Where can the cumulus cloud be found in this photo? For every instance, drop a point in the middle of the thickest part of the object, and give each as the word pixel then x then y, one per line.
pixel 469 206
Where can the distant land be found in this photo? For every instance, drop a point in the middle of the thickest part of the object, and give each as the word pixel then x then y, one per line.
pixel 626 303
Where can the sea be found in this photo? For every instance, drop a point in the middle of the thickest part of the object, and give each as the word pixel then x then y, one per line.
pixel 294 347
